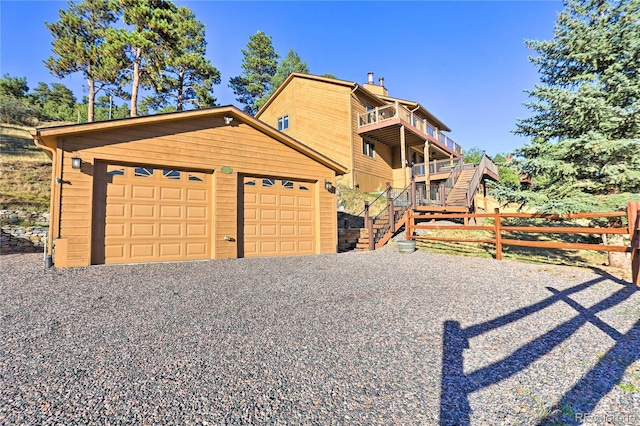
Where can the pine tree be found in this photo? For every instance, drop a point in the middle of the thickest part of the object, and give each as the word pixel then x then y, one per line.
pixel 186 75
pixel 146 44
pixel 79 45
pixel 259 66
pixel 585 128
pixel 289 64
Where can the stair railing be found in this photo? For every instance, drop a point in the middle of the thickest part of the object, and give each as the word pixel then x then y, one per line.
pixel 451 180
pixel 485 163
pixel 385 221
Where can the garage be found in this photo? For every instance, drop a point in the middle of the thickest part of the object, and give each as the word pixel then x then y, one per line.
pixel 278 217
pixel 205 184
pixel 145 214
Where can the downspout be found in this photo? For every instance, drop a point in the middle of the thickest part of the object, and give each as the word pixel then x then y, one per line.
pixel 48 248
pixel 353 173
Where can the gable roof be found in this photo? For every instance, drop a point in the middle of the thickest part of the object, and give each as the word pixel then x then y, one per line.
pixel 350 84
pixel 382 100
pixel 50 134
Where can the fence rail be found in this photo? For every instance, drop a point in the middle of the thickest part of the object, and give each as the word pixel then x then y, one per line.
pixel 633 230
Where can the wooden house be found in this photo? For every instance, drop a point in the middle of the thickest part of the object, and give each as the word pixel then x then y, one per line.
pixel 205 184
pixel 386 143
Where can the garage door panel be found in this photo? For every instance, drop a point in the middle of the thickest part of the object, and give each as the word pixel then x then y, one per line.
pixel 143 192
pixel 268 214
pixel 144 250
pixel 143 211
pixel 170 249
pixel 171 194
pixel 196 229
pixel 115 210
pixel 155 214
pixel 196 212
pixel 171 212
pixel 142 230
pixel 115 230
pixel 278 217
pixel 170 229
pixel 196 249
pixel 196 195
pixel 116 191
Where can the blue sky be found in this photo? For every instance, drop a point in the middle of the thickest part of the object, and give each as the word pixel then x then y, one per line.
pixel 465 61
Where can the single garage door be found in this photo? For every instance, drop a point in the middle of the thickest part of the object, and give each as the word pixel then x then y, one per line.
pixel 147 214
pixel 279 217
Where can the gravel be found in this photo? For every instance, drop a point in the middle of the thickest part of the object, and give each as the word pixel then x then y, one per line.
pixel 355 338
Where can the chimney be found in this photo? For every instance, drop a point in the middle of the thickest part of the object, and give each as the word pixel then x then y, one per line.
pixel 381 81
pixel 370 78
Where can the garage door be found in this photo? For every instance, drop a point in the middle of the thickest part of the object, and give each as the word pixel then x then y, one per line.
pixel 279 217
pixel 146 214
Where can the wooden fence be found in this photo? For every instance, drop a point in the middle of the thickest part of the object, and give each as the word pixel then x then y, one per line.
pixel 632 230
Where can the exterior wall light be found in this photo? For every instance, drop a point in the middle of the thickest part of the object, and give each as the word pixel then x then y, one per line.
pixel 228 120
pixel 329 186
pixel 76 163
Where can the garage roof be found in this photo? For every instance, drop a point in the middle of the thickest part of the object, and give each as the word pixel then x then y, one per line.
pixel 49 135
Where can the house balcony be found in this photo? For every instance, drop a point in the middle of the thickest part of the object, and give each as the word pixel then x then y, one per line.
pixel 384 124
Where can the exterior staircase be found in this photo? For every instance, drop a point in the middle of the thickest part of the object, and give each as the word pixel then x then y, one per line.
pixel 458 190
pixel 458 194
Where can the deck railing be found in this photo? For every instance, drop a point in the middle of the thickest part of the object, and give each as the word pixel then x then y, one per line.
pixel 380 114
pixel 435 166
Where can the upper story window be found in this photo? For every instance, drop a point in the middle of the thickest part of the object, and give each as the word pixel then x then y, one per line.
pixel 368 148
pixel 283 122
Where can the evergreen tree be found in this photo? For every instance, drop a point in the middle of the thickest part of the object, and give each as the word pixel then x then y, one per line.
pixel 55 103
pixel 186 76
pixel 289 64
pixel 259 66
pixel 14 86
pixel 146 44
pixel 585 130
pixel 79 45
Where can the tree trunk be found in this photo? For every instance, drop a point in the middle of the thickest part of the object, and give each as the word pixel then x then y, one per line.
pixel 136 82
pixel 92 100
pixel 180 91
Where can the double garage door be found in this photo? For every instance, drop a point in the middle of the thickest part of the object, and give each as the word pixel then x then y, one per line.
pixel 149 214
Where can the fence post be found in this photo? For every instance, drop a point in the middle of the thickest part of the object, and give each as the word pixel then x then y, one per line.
pixel 633 218
pixel 391 207
pixel 408 224
pixel 498 232
pixel 368 224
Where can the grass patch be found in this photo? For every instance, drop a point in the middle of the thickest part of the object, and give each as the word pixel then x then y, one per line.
pixel 628 387
pixel 25 173
pixel 353 201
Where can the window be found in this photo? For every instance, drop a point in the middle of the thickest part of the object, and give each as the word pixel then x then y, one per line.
pixel 171 174
pixel 368 149
pixel 143 172
pixel 283 123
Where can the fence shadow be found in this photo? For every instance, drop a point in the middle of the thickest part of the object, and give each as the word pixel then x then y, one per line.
pixel 456 386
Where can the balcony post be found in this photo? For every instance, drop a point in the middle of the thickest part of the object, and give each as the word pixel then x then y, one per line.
pixel 377 115
pixel 413 192
pixel 391 207
pixel 403 155
pixel 443 201
pixel 426 163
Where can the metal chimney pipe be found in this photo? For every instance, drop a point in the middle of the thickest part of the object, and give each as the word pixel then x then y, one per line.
pixel 381 80
pixel 370 79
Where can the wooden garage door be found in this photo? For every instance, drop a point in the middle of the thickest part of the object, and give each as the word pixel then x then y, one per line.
pixel 151 214
pixel 279 217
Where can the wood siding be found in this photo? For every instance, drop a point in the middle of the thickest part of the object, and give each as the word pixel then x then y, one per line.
pixel 318 116
pixel 199 144
pixel 370 174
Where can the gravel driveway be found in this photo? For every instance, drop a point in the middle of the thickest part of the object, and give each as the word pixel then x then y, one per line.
pixel 354 338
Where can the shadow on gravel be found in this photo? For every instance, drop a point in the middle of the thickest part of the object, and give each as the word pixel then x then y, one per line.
pixel 576 405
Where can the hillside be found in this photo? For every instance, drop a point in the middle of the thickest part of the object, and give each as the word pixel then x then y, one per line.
pixel 25 171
